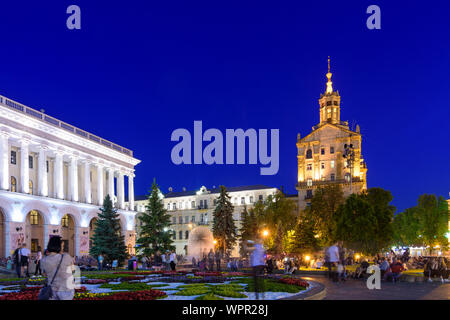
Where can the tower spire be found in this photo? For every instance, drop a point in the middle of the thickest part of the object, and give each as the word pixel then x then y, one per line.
pixel 329 83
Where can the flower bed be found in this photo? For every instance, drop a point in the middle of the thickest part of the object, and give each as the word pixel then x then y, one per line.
pixel 127 295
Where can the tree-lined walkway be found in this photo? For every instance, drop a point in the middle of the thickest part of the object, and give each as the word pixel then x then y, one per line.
pixel 357 290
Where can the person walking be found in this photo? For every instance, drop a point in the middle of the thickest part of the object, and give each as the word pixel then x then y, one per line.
pixel 38 262
pixel 58 266
pixel 257 263
pixel 24 259
pixel 16 260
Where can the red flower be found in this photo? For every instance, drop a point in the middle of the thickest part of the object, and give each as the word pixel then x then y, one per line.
pixel 295 282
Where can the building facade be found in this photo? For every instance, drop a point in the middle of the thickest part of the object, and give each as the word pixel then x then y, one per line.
pixel 53 179
pixel 190 210
pixel 320 153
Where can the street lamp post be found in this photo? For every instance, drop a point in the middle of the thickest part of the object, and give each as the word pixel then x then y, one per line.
pixel 349 154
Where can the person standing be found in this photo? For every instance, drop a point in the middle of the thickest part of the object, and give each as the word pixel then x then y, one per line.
pixel 100 262
pixel 218 259
pixel 58 266
pixel 172 260
pixel 257 264
pixel 211 260
pixel 333 260
pixel 38 262
pixel 24 259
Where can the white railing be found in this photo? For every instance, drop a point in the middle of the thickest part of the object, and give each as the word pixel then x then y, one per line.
pixel 61 124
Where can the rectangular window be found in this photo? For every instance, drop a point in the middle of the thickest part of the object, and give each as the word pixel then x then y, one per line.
pixel 13 157
pixel 309 166
pixel 180 219
pixel 47 165
pixel 180 235
pixel 332 164
pixel 309 182
pixel 193 219
pixel 322 151
pixel 332 178
pixel 174 220
pixel 331 150
pixel 251 199
pixel 322 165
pixel 168 206
pixel 34 245
pixel 174 206
pixel 30 162
pixel 186 219
pixel 192 204
pixel 261 197
pixel 174 235
pixel 242 200
pixel 309 194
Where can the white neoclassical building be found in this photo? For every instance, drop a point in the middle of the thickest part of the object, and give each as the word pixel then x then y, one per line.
pixel 53 179
pixel 192 211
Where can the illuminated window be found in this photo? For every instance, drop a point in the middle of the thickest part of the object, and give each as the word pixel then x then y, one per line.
pixel 34 217
pixel 309 154
pixel 309 166
pixel 309 182
pixel 13 184
pixel 332 164
pixel 65 221
pixel 13 157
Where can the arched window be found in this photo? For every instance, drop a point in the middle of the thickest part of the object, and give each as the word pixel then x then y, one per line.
pixel 34 217
pixel 347 177
pixel 65 221
pixel 13 184
pixel 30 186
pixel 309 154
pixel 186 234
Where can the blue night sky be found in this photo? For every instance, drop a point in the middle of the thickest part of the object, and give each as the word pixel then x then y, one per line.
pixel 137 70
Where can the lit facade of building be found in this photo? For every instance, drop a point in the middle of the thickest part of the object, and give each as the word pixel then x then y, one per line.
pixel 320 154
pixel 54 177
pixel 192 209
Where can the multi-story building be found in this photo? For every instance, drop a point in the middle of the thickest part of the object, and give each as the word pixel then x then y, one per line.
pixel 193 209
pixel 320 154
pixel 54 177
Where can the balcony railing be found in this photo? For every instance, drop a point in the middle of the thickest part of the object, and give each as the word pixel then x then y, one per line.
pixel 60 124
pixel 327 182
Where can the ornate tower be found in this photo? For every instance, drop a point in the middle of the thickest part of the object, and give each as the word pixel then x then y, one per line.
pixel 329 103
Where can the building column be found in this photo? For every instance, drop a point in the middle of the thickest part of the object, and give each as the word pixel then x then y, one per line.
pixel 73 177
pixel 4 161
pixel 111 184
pixel 59 182
pixel 87 181
pixel 120 190
pixel 100 194
pixel 24 167
pixel 42 172
pixel 131 191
